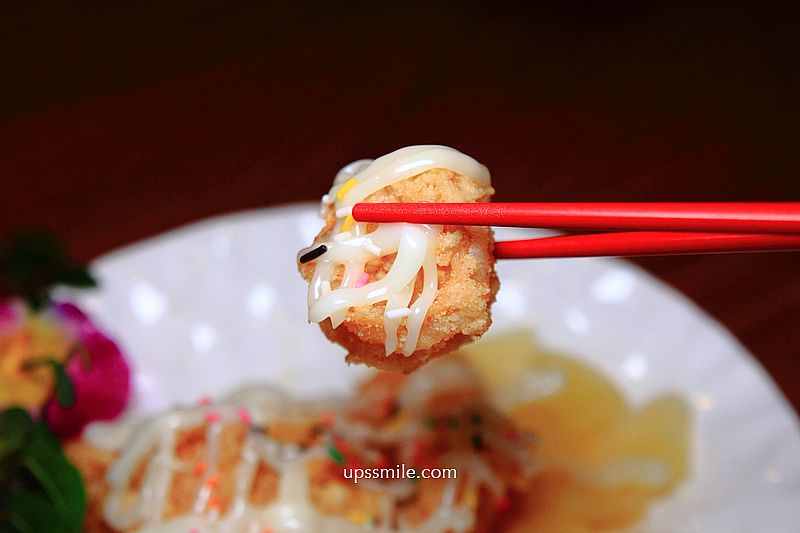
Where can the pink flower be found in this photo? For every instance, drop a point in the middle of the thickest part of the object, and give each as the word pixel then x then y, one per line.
pixel 12 313
pixel 101 377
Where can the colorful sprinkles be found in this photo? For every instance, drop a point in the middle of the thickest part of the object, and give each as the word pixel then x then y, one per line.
pixel 213 503
pixel 356 183
pixel 335 454
pixel 359 517
pixel 471 497
pixel 345 188
pixel 398 313
pixel 347 224
pixel 343 212
pixel 363 280
pixel 326 419
pixel 313 254
pixel 340 444
pixel 372 248
pixel 341 237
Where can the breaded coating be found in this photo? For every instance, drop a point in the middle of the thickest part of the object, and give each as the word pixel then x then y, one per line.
pixel 328 490
pixel 92 463
pixel 468 283
pixel 452 427
pixel 336 496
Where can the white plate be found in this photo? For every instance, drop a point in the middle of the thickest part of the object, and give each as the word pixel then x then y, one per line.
pixel 208 307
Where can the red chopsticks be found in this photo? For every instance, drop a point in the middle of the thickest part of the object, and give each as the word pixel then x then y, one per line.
pixel 637 228
pixel 764 217
pixel 645 243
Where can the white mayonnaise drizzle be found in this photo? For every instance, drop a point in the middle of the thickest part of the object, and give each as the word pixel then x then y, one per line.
pixel 152 443
pixel 352 247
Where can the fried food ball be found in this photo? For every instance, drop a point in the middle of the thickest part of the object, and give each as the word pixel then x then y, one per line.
pixel 460 313
pixel 442 424
pixel 329 491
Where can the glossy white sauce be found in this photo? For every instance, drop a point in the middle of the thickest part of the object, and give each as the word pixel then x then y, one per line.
pixel 292 510
pixel 352 247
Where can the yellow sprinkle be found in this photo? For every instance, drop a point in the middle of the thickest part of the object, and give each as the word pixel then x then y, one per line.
pixel 470 497
pixel 398 422
pixel 358 516
pixel 347 224
pixel 345 188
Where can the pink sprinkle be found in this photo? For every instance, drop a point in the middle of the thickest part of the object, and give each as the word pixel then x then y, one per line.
pixel 244 416
pixel 205 399
pixel 363 280
pixel 213 417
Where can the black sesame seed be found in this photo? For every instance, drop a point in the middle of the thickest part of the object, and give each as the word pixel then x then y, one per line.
pixel 477 419
pixel 477 441
pixel 313 254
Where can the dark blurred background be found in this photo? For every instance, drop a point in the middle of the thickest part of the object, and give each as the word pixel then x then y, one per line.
pixel 119 120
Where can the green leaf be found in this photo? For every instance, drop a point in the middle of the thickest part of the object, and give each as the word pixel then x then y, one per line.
pixel 61 481
pixel 15 427
pixel 74 275
pixel 33 261
pixel 29 512
pixel 40 490
pixel 65 390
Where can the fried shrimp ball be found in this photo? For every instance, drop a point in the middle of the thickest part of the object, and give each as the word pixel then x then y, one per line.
pixel 322 466
pixel 467 282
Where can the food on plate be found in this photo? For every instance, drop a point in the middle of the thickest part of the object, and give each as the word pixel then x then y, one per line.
pixel 257 461
pixel 601 461
pixel 538 442
pixel 397 295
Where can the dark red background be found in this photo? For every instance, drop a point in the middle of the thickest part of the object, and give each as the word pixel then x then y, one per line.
pixel 119 121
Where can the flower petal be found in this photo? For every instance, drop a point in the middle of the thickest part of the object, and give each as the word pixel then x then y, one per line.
pixel 12 315
pixel 102 389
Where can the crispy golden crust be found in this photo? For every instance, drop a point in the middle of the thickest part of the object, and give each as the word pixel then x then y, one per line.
pixel 334 495
pixel 467 280
pixel 329 491
pixel 450 427
pixel 93 463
